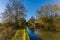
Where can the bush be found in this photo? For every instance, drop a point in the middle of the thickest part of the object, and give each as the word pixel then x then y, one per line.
pixel 7 34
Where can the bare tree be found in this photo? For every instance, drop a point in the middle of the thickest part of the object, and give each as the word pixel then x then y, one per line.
pixel 14 11
pixel 48 10
pixel 48 13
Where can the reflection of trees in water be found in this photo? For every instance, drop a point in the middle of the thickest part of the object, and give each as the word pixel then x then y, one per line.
pixel 34 35
pixel 32 31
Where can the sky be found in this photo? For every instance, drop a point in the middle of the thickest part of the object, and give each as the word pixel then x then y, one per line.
pixel 30 5
pixel 33 5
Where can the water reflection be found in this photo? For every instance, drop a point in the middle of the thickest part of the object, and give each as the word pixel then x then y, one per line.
pixel 33 34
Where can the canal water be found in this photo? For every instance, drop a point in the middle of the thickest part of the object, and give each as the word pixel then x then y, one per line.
pixel 33 34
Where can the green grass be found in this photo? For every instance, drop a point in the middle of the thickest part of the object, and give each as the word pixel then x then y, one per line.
pixel 49 35
pixel 18 35
pixel 21 34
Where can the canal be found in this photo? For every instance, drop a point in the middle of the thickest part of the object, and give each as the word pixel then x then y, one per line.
pixel 33 34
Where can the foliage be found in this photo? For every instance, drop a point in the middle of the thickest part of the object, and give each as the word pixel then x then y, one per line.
pixel 31 23
pixel 47 14
pixel 14 11
pixel 7 33
pixel 22 23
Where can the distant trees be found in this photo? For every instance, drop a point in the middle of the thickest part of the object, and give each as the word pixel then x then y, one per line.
pixel 22 23
pixel 14 11
pixel 47 14
pixel 31 23
pixel 48 10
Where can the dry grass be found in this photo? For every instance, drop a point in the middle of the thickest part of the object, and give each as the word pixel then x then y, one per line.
pixel 6 33
pixel 49 35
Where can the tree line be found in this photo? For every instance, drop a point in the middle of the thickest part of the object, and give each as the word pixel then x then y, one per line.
pixel 47 16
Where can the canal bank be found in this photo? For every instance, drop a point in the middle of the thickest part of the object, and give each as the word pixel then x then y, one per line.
pixel 21 34
pixel 48 35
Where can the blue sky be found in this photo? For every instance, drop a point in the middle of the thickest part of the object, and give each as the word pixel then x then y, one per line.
pixel 33 5
pixel 30 5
